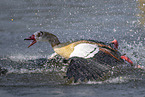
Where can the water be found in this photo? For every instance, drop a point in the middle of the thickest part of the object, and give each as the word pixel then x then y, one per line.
pixel 104 20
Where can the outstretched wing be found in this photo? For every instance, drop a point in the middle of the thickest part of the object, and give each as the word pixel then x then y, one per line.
pixel 91 68
pixel 92 61
pixel 80 68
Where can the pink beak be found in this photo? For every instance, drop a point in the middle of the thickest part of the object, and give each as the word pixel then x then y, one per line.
pixel 31 38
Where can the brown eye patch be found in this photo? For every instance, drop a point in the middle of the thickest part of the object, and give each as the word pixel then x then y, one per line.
pixel 39 34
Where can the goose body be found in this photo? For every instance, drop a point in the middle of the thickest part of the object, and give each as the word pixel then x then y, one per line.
pixel 84 49
pixel 83 53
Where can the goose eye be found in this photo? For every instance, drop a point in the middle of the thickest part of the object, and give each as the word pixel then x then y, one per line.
pixel 40 34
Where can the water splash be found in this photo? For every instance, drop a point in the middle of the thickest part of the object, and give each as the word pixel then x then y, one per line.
pixel 21 64
pixel 22 57
pixel 120 79
pixel 136 51
pixel 24 65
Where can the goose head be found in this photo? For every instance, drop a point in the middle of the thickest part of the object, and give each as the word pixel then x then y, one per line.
pixel 43 36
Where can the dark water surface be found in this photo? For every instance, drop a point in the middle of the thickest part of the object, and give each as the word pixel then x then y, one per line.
pixel 104 20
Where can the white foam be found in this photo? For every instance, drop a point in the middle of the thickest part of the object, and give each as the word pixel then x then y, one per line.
pixel 23 70
pixel 120 79
pixel 28 71
pixel 23 57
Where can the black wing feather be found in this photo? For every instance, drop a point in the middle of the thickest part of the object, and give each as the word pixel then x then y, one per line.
pixel 80 68
pixel 92 68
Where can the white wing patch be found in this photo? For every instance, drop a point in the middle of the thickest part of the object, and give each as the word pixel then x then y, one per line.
pixel 85 50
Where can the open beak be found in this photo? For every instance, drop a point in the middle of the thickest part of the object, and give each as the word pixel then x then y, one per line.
pixel 31 38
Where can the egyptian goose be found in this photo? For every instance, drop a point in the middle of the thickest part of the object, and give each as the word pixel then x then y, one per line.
pixel 82 48
pixel 89 58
